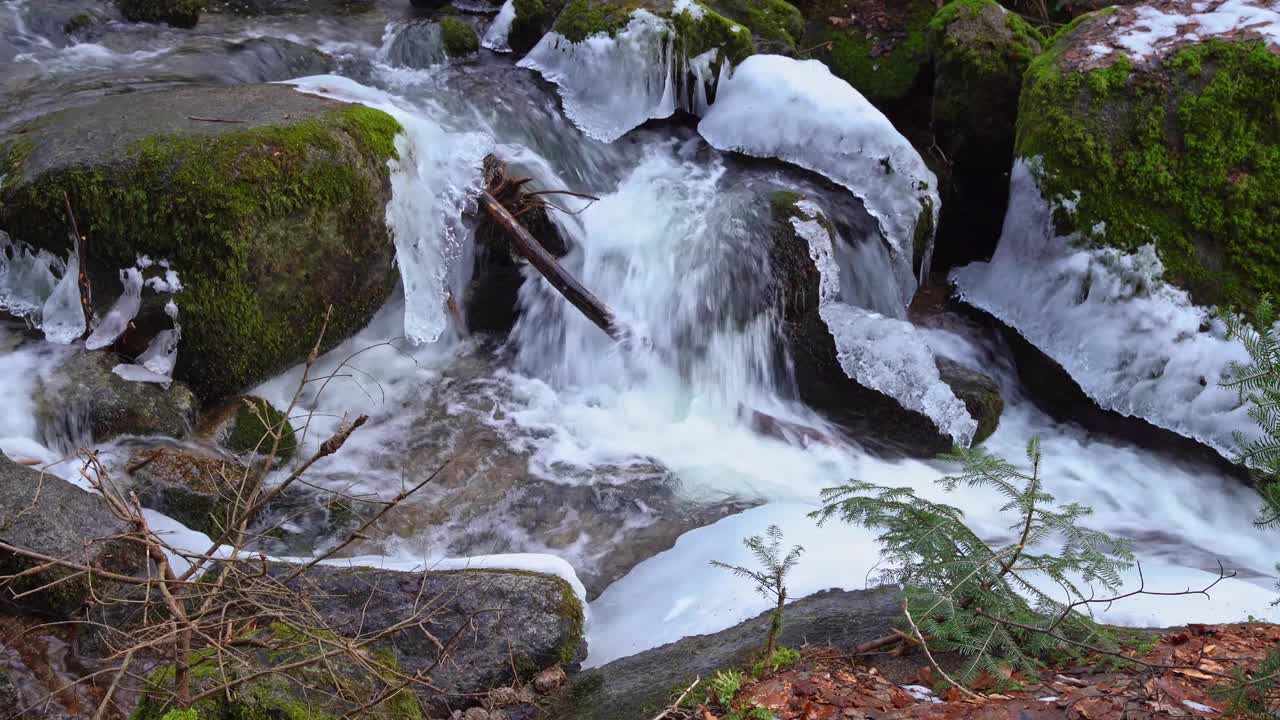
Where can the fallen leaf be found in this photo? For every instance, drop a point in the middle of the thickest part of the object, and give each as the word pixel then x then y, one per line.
pixel 1193 673
pixel 953 694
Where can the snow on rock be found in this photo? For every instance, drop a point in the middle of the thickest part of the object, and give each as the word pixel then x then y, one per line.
pixel 1134 343
pixel 1154 30
pixel 495 38
pixel 882 353
pixel 797 111
pixel 528 562
pixel 437 174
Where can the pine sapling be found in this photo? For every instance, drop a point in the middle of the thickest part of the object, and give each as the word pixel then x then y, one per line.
pixel 1003 606
pixel 771 580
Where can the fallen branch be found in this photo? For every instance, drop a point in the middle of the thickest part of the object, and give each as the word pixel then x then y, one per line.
pixel 82 258
pixel 679 700
pixel 530 249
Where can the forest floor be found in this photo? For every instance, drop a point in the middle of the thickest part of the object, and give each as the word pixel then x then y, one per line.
pixel 1188 670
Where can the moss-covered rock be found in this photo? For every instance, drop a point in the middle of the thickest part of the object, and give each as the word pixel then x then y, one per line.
pixel 179 13
pixel 322 690
pixel 698 28
pixel 878 47
pixel 1178 148
pixel 980 52
pixel 533 19
pixel 776 25
pixel 459 38
pixel 254 426
pixel 268 220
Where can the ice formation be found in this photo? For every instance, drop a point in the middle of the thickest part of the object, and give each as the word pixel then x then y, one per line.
pixel 797 111
pixel 116 321
pixel 1134 343
pixel 27 277
pixel 435 176
pixel 882 353
pixel 610 85
pixel 495 38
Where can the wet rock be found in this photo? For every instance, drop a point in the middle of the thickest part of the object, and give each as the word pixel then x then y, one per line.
pixel 83 401
pixel 639 686
pixel 337 8
pixel 980 52
pixel 248 426
pixel 256 60
pixel 1132 137
pixel 492 296
pixel 539 622
pixel 490 498
pixel 50 516
pixel 418 44
pixel 179 13
pixel 549 680
pixel 979 393
pixel 268 220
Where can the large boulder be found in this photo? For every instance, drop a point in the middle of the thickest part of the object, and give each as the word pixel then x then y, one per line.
pixel 83 401
pixel 268 219
pixel 1144 134
pixel 980 51
pixel 822 381
pixel 505 625
pixel 45 514
pixel 640 686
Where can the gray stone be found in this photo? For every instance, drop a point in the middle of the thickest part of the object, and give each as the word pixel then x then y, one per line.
pixel 83 401
pixel 505 619
pixel 639 686
pixel 45 514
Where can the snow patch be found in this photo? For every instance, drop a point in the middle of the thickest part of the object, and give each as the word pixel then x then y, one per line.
pixel 797 111
pixel 1134 343
pixel 1156 30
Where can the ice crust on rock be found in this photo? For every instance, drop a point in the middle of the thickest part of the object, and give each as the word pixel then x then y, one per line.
pixel 611 85
pixel 125 309
pixel 435 176
pixel 882 353
pixel 797 111
pixel 1136 344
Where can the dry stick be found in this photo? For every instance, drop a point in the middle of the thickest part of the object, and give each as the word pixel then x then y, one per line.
pixel 82 253
pixel 934 663
pixel 573 291
pixel 679 700
pixel 215 120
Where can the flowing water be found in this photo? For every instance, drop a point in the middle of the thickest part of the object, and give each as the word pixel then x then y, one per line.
pixel 676 246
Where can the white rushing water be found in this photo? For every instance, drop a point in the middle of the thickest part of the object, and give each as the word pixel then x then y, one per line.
pixel 676 247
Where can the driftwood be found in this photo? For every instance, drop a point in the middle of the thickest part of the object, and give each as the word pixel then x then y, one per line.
pixel 498 185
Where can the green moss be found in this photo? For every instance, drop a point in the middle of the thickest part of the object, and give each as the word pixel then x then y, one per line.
pixel 78 22
pixel 580 19
pixel 460 39
pixel 776 22
pixel 250 434
pixel 235 212
pixel 881 68
pixel 533 19
pixel 783 202
pixel 179 13
pixel 1186 156
pixel 571 612
pixel 188 714
pixel 696 35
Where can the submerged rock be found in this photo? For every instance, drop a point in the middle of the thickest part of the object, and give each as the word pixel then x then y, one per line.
pixel 179 13
pixel 268 220
pixel 980 51
pixel 822 380
pixel 249 425
pixel 1154 123
pixel 641 685
pixel 490 497
pixel 45 514
pixel 83 401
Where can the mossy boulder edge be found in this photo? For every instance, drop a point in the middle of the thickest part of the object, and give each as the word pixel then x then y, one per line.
pixel 269 203
pixel 1177 147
